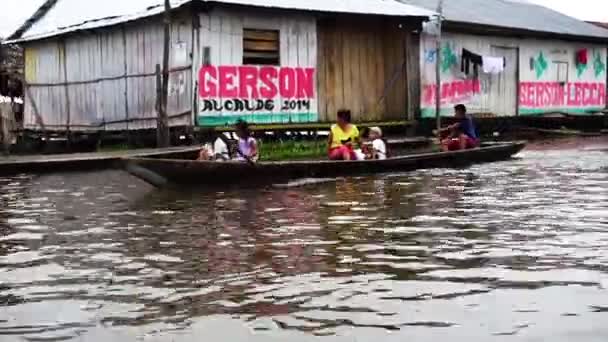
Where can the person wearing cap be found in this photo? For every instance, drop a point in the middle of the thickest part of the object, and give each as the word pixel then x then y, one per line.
pixel 379 150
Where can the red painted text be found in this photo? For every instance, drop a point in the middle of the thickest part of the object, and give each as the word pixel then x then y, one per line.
pixel 555 94
pixel 256 82
pixel 451 92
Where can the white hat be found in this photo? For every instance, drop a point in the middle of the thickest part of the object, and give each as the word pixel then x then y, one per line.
pixel 376 130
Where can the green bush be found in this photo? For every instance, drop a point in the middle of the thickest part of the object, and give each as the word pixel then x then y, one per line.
pixel 292 150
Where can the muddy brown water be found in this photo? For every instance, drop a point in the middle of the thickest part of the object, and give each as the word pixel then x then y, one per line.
pixel 509 251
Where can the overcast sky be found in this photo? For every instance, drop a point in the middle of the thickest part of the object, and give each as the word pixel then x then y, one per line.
pixel 14 12
pixel 595 10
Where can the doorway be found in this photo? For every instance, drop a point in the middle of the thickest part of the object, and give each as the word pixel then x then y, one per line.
pixel 504 86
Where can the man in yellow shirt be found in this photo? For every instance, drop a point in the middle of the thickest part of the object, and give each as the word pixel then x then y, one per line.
pixel 342 138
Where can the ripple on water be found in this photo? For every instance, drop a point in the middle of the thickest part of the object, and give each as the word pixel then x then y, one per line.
pixel 19 221
pixel 24 257
pixel 22 236
pixel 512 250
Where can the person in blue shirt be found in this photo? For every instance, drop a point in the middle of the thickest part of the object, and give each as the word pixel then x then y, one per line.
pixel 462 134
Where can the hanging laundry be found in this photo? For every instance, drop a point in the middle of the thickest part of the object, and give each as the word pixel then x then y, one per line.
pixel 469 58
pixel 493 65
pixel 582 57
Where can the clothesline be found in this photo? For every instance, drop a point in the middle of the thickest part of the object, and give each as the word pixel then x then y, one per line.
pixel 489 64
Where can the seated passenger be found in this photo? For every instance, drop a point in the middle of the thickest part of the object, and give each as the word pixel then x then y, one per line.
pixel 462 134
pixel 343 136
pixel 218 152
pixel 206 153
pixel 378 148
pixel 247 146
pixel 221 152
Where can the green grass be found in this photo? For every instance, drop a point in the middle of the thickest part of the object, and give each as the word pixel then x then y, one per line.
pixel 292 150
pixel 114 148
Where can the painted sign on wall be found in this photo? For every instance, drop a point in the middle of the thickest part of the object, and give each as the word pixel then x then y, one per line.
pixel 258 94
pixel 538 97
pixel 456 87
pixel 451 92
pixel 540 76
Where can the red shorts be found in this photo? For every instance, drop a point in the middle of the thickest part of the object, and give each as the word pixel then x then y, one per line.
pixel 337 153
pixel 454 144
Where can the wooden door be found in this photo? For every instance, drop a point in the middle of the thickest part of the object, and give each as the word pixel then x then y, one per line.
pixel 503 87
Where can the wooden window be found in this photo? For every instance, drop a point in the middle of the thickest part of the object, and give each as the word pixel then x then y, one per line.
pixel 261 47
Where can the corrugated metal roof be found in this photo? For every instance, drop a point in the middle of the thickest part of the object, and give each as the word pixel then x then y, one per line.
pixel 378 7
pixel 512 14
pixel 14 13
pixel 73 15
pixel 596 23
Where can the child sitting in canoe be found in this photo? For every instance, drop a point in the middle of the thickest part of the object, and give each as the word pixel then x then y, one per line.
pixel 206 153
pixel 247 146
pixel 245 149
pixel 342 138
pixel 218 152
pixel 378 149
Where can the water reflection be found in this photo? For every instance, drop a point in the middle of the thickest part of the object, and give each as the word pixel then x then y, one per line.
pixel 506 250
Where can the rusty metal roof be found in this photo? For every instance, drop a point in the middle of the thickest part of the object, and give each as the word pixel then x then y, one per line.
pixel 66 16
pixel 513 14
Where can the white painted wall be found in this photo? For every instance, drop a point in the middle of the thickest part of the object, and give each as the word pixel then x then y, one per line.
pixel 520 85
pixel 222 31
pixel 540 90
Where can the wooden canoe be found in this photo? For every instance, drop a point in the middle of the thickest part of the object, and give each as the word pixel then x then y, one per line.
pixel 161 172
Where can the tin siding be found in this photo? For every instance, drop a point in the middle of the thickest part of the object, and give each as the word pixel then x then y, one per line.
pixel 43 65
pixel 83 63
pixel 112 65
pixel 104 99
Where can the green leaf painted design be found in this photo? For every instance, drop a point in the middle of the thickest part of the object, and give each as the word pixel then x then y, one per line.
pixel 580 69
pixel 540 65
pixel 448 58
pixel 598 65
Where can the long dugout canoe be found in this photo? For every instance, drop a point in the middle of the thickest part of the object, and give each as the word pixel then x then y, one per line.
pixel 161 172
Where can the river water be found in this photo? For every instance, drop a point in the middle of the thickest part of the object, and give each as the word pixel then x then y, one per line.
pixel 510 251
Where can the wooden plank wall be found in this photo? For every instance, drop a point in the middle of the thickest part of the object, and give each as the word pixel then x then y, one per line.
pixel 361 67
pixel 413 74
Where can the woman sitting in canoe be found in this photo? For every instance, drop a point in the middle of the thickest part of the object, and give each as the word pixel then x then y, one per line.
pixel 342 138
pixel 247 146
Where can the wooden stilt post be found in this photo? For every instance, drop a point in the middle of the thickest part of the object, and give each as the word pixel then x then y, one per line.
pixel 159 108
pixel 438 65
pixel 126 72
pixel 3 138
pixel 165 138
pixel 67 95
